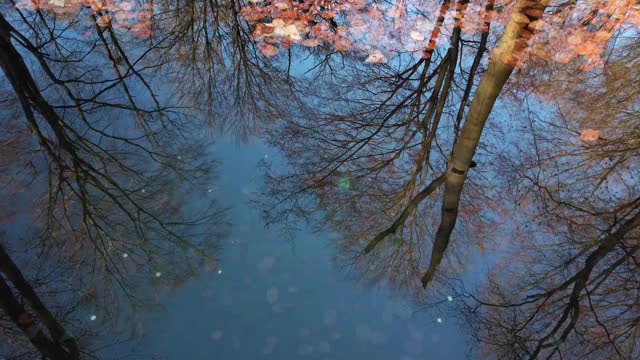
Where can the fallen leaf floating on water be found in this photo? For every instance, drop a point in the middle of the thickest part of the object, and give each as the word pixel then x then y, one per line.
pixel 375 57
pixel 216 335
pixel 417 36
pixel 358 24
pixel 267 49
pixel 284 30
pixel 272 295
pixel 589 135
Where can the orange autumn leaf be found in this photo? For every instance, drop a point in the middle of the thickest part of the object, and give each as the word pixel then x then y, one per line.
pixel 587 49
pixel 262 30
pixel 481 248
pixel 342 44
pixel 358 24
pixel 589 135
pixel 310 42
pixel 267 49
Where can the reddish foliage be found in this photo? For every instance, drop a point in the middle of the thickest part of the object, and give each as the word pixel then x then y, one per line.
pixel 373 28
pixel 267 49
pixel 126 15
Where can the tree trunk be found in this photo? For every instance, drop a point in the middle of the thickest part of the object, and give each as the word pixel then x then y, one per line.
pixel 25 87
pixel 511 44
pixel 13 274
pixel 24 321
pixel 19 76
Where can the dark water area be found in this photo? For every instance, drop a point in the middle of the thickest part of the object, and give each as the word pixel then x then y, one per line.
pixel 275 296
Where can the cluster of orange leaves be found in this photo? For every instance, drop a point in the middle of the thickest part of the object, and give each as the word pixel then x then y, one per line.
pixel 581 30
pixel 358 25
pixel 123 15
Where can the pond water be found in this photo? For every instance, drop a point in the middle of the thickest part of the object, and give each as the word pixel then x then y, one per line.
pixel 280 296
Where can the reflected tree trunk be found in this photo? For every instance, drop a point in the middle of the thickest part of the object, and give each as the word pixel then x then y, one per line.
pixel 25 87
pixel 23 320
pixel 27 91
pixel 500 68
pixel 410 208
pixel 57 331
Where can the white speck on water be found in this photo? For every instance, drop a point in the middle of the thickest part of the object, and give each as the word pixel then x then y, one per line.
pixel 219 271
pixel 272 295
pixel 450 298
pixel 158 274
pixel 439 320
pixel 216 335
pixel 125 255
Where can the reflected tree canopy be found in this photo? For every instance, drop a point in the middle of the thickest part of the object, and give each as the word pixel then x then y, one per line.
pixel 552 201
pixel 219 70
pixel 569 284
pixel 109 173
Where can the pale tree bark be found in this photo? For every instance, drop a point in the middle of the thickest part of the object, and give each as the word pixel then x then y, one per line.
pixel 500 67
